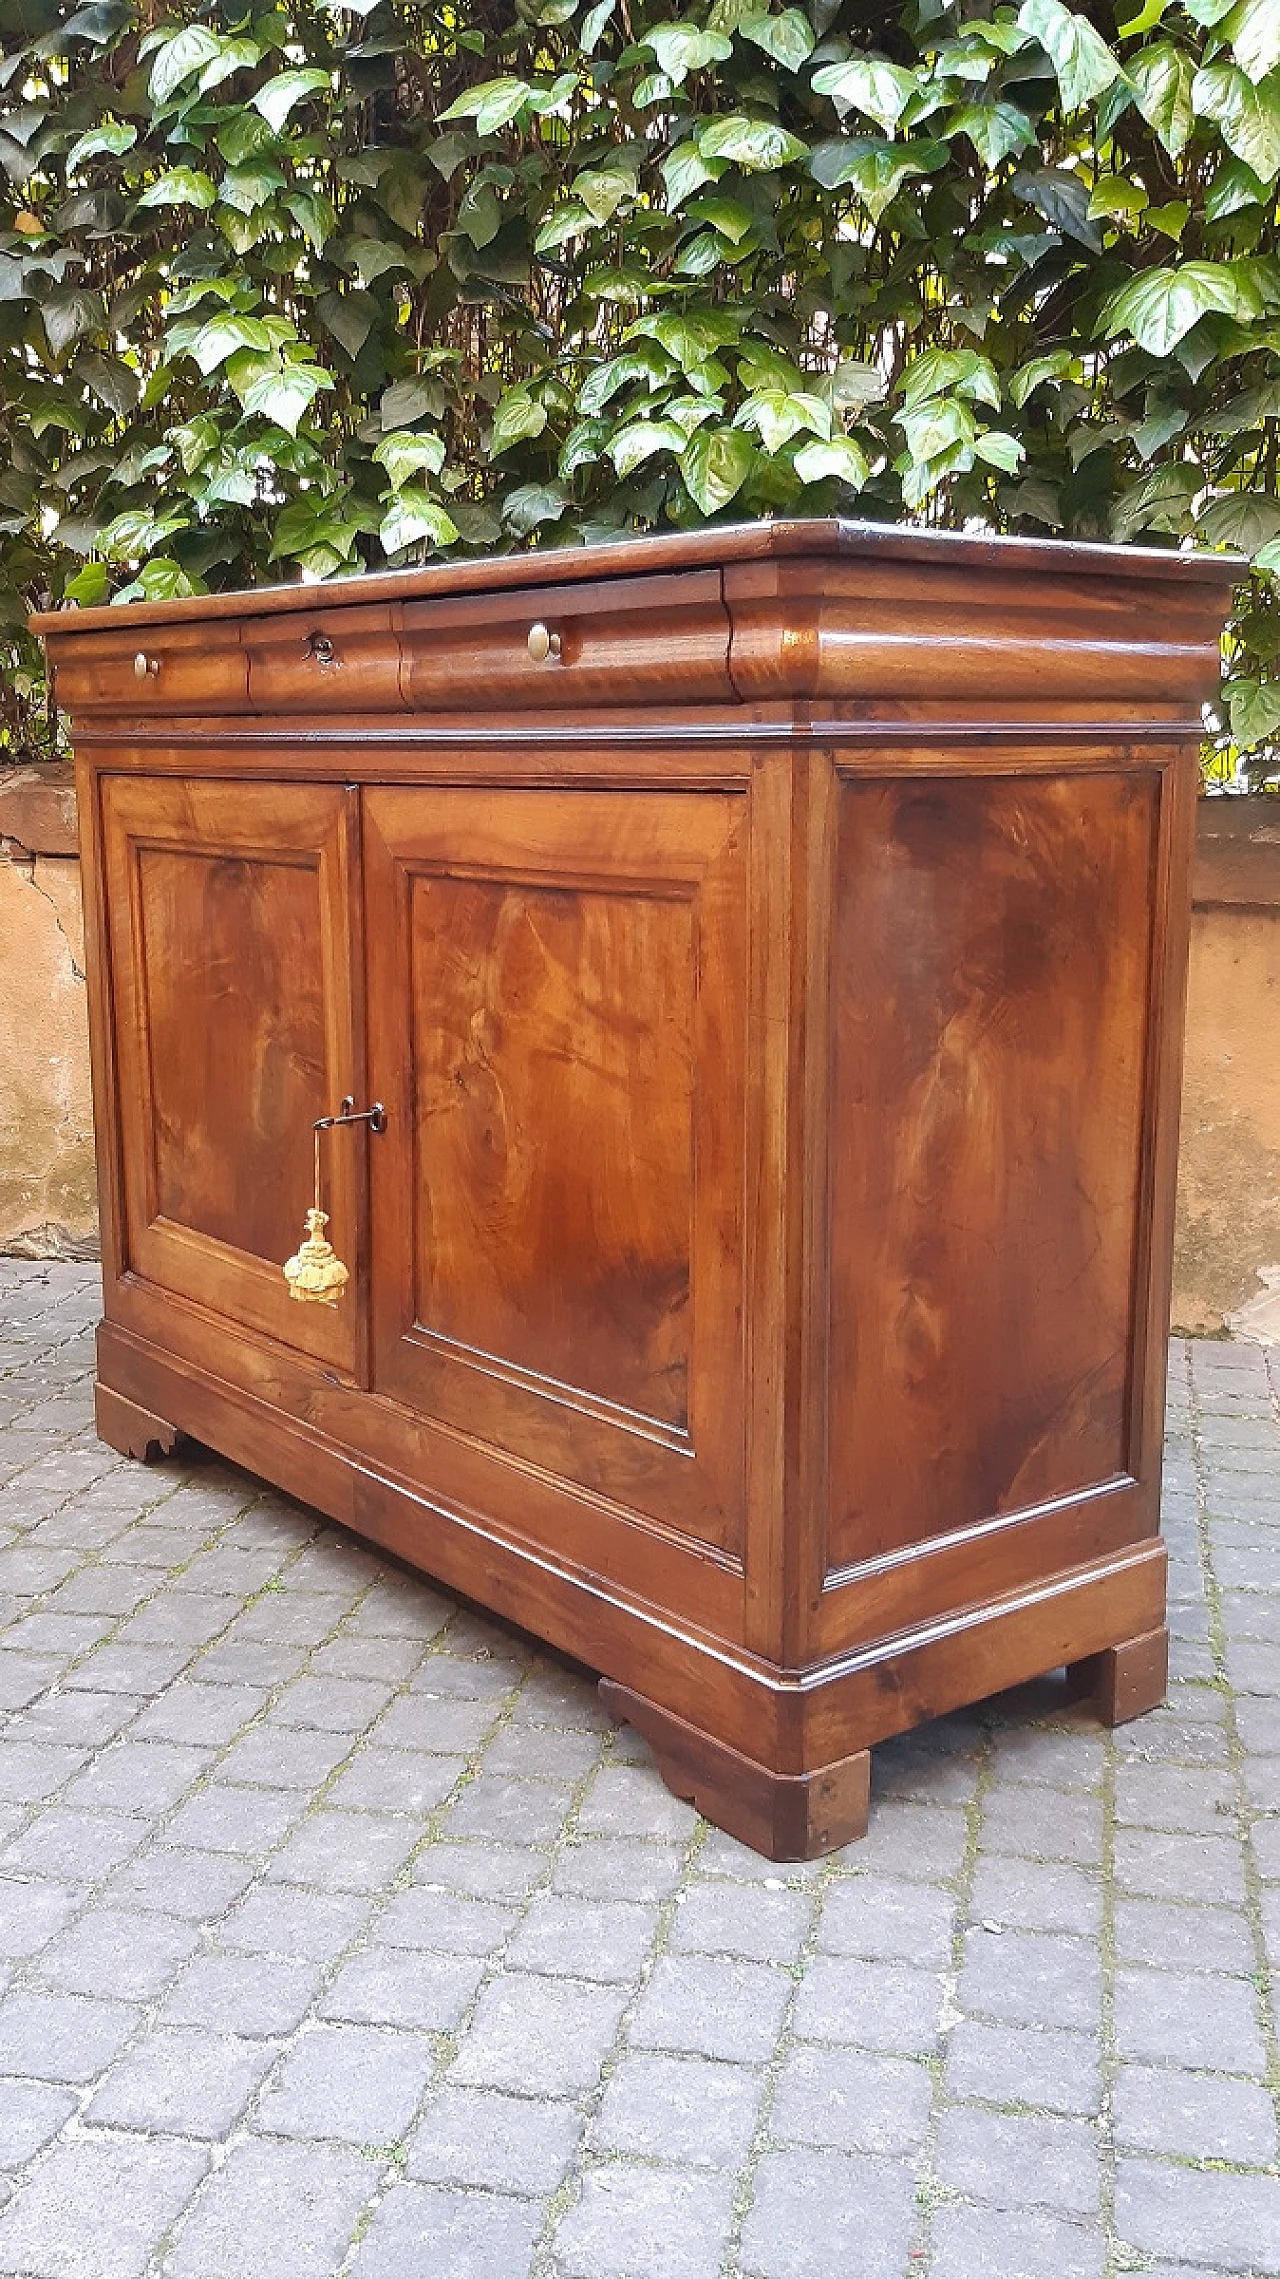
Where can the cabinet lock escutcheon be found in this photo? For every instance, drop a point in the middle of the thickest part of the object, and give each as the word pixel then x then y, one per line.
pixel 145 667
pixel 320 647
pixel 543 643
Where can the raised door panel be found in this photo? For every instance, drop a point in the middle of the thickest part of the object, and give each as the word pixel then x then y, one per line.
pixel 229 908
pixel 556 989
pixel 991 984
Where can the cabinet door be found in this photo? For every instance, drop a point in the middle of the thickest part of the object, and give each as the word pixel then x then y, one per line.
pixel 557 988
pixel 229 907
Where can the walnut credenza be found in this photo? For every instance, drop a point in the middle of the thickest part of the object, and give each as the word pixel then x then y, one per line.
pixel 767 946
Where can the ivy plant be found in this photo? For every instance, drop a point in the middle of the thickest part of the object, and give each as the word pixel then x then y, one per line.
pixel 305 290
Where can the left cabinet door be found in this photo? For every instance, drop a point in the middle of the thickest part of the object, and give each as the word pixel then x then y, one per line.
pixel 230 912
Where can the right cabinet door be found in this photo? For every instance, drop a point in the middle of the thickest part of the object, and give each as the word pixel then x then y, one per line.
pixel 557 1005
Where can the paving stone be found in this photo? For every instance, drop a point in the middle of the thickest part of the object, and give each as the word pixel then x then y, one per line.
pixel 1189 2020
pixel 538 2036
pixel 1183 1938
pixel 1024 2065
pixel 350 1656
pixel 508 1811
pixel 712 2007
pixel 276 2208
pixel 608 1940
pixel 1155 1866
pixel 634 2222
pixel 879 2005
pixel 146 1777
pixel 194 1885
pixel 1020 2160
pixel 76 1846
pixel 469 2235
pixel 541 1752
pixel 210 1715
pixel 1194 2116
pixel 335 1705
pixel 97 2208
pixel 358 2083
pixel 815 2213
pixel 690 2111
pixel 344 1851
pixel 249 1821
pixel 274 1756
pixel 990 2243
pixel 103 1954
pixel 284 1921
pixel 487 1871
pixel 30 1771
pixel 191 2084
pixel 33 1913
pixel 397 1986
pixel 721 1855
pixel 502 2144
pixel 78 1718
pixel 1057 1757
pixel 31 2112
pixel 612 1867
pixel 397 1780
pixel 630 1800
pixel 1031 1978
pixel 443 1728
pixel 1204 2216
pixel 1035 1895
pixel 446 1921
pixel 61 2037
pixel 242 1994
pixel 851 2102
pixel 129 1669
pixel 886 1921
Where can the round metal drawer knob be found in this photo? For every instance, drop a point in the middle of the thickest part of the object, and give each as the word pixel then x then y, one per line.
pixel 145 667
pixel 542 643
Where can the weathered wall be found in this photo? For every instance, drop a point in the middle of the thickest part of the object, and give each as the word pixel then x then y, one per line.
pixel 47 1197
pixel 1227 1246
pixel 1228 1232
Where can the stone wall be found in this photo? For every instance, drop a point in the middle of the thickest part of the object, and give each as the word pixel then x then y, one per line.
pixel 47 1194
pixel 1227 1249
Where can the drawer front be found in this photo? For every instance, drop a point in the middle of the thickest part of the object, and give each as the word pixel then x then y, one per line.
pixel 328 660
pixel 151 669
pixel 631 641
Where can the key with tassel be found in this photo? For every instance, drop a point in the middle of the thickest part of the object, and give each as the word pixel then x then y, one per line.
pixel 315 1274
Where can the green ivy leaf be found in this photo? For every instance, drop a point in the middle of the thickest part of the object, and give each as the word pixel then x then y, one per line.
pixel 757 146
pixel 787 37
pixel 682 48
pixel 404 456
pixel 285 396
pixel 1255 713
pixel 1247 117
pixel 113 137
pixel 638 441
pixel 181 186
pixel 283 94
pixel 996 130
pixel 1253 28
pixel 1161 78
pixel 1080 56
pixel 410 518
pixel 715 465
pixel 869 83
pixel 181 57
pixel 841 457
pixel 1160 306
pixel 493 105
pixel 519 418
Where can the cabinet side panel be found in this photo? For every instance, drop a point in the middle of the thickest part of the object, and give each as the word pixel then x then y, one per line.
pixel 991 974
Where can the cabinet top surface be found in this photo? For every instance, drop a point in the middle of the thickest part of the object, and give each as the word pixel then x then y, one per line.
pixel 720 546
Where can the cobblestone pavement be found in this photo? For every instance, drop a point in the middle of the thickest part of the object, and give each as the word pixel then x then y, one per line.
pixel 345 1935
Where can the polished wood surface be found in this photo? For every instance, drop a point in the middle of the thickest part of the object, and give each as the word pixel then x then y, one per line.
pixel 773 973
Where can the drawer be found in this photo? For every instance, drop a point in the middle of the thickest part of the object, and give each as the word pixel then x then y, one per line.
pixel 325 660
pixel 630 641
pixel 149 669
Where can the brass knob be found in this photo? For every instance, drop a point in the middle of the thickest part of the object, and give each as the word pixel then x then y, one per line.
pixel 145 667
pixel 542 643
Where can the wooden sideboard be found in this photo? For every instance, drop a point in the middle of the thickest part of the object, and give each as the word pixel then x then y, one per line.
pixel 767 946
